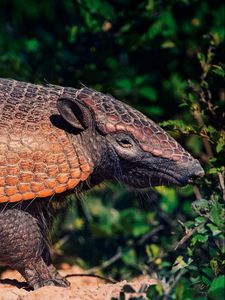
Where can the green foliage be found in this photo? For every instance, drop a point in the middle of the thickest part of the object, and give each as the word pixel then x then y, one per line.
pixel 167 60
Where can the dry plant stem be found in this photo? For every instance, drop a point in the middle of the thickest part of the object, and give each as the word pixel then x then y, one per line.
pixel 106 263
pixel 110 280
pixel 198 117
pixel 188 234
pixel 167 289
pixel 150 234
pixel 221 181
pixel 118 255
pixel 197 192
pixel 206 67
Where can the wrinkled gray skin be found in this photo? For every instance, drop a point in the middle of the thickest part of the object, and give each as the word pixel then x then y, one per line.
pixel 116 156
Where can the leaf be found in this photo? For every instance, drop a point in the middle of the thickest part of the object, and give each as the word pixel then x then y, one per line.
pixel 217 287
pixel 178 125
pixel 169 200
pixel 179 264
pixel 154 110
pixel 201 204
pixel 217 264
pixel 220 144
pixel 200 220
pixel 129 257
pixel 211 129
pixel 215 230
pixel 149 93
pixel 212 171
pixel 155 291
pixel 201 58
pixel 199 238
pixel 152 251
pixel 218 70
pixel 32 45
pixel 124 83
pixel 72 34
pixel 215 214
pixel 168 44
pixel 155 29
pixel 140 229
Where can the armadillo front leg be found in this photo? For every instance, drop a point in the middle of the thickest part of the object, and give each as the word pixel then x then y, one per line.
pixel 23 247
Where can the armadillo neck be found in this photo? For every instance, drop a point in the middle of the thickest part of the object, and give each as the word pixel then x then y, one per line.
pixel 36 158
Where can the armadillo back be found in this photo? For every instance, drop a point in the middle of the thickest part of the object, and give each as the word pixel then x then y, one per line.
pixel 36 158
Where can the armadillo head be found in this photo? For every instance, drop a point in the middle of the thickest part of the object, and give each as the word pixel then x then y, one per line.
pixel 128 146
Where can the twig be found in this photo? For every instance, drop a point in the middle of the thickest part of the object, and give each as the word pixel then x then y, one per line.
pixel 168 289
pixel 188 234
pixel 197 192
pixel 119 254
pixel 107 263
pixel 93 275
pixel 221 181
pixel 145 237
pixel 198 117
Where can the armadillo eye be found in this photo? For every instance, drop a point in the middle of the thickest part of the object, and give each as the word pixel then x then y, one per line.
pixel 125 143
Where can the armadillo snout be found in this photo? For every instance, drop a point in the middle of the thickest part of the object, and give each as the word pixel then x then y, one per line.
pixel 196 172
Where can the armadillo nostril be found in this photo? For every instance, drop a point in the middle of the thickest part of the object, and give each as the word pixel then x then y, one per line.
pixel 196 176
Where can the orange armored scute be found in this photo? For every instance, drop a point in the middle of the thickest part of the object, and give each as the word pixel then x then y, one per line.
pixel 37 159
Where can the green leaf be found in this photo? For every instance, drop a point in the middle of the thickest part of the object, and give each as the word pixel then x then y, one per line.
pixel 32 45
pixel 178 125
pixel 201 204
pixel 218 70
pixel 129 257
pixel 220 144
pixel 179 264
pixel 154 292
pixel 124 83
pixel 200 220
pixel 154 110
pixel 215 230
pixel 152 251
pixel 217 287
pixel 168 44
pixel 201 58
pixel 149 93
pixel 72 34
pixel 140 229
pixel 199 238
pixel 212 171
pixel 215 214
pixel 169 200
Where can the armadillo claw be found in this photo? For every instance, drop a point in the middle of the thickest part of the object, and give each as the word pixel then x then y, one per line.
pixel 51 282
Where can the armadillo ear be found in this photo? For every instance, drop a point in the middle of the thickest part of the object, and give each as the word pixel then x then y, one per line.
pixel 74 113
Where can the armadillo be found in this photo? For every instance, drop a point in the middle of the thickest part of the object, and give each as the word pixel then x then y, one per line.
pixel 55 139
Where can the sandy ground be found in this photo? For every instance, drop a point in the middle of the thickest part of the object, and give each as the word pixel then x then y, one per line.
pixel 13 287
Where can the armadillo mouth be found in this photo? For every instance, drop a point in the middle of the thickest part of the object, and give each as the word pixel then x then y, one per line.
pixel 164 178
pixel 154 178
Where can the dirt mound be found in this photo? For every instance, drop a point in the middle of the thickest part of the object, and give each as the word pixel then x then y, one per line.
pixel 83 287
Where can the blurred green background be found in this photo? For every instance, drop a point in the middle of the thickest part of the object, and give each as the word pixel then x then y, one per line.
pixel 166 58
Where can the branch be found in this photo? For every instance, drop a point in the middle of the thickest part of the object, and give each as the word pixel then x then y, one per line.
pixel 119 254
pixel 110 280
pixel 167 288
pixel 221 181
pixel 197 192
pixel 106 263
pixel 188 234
